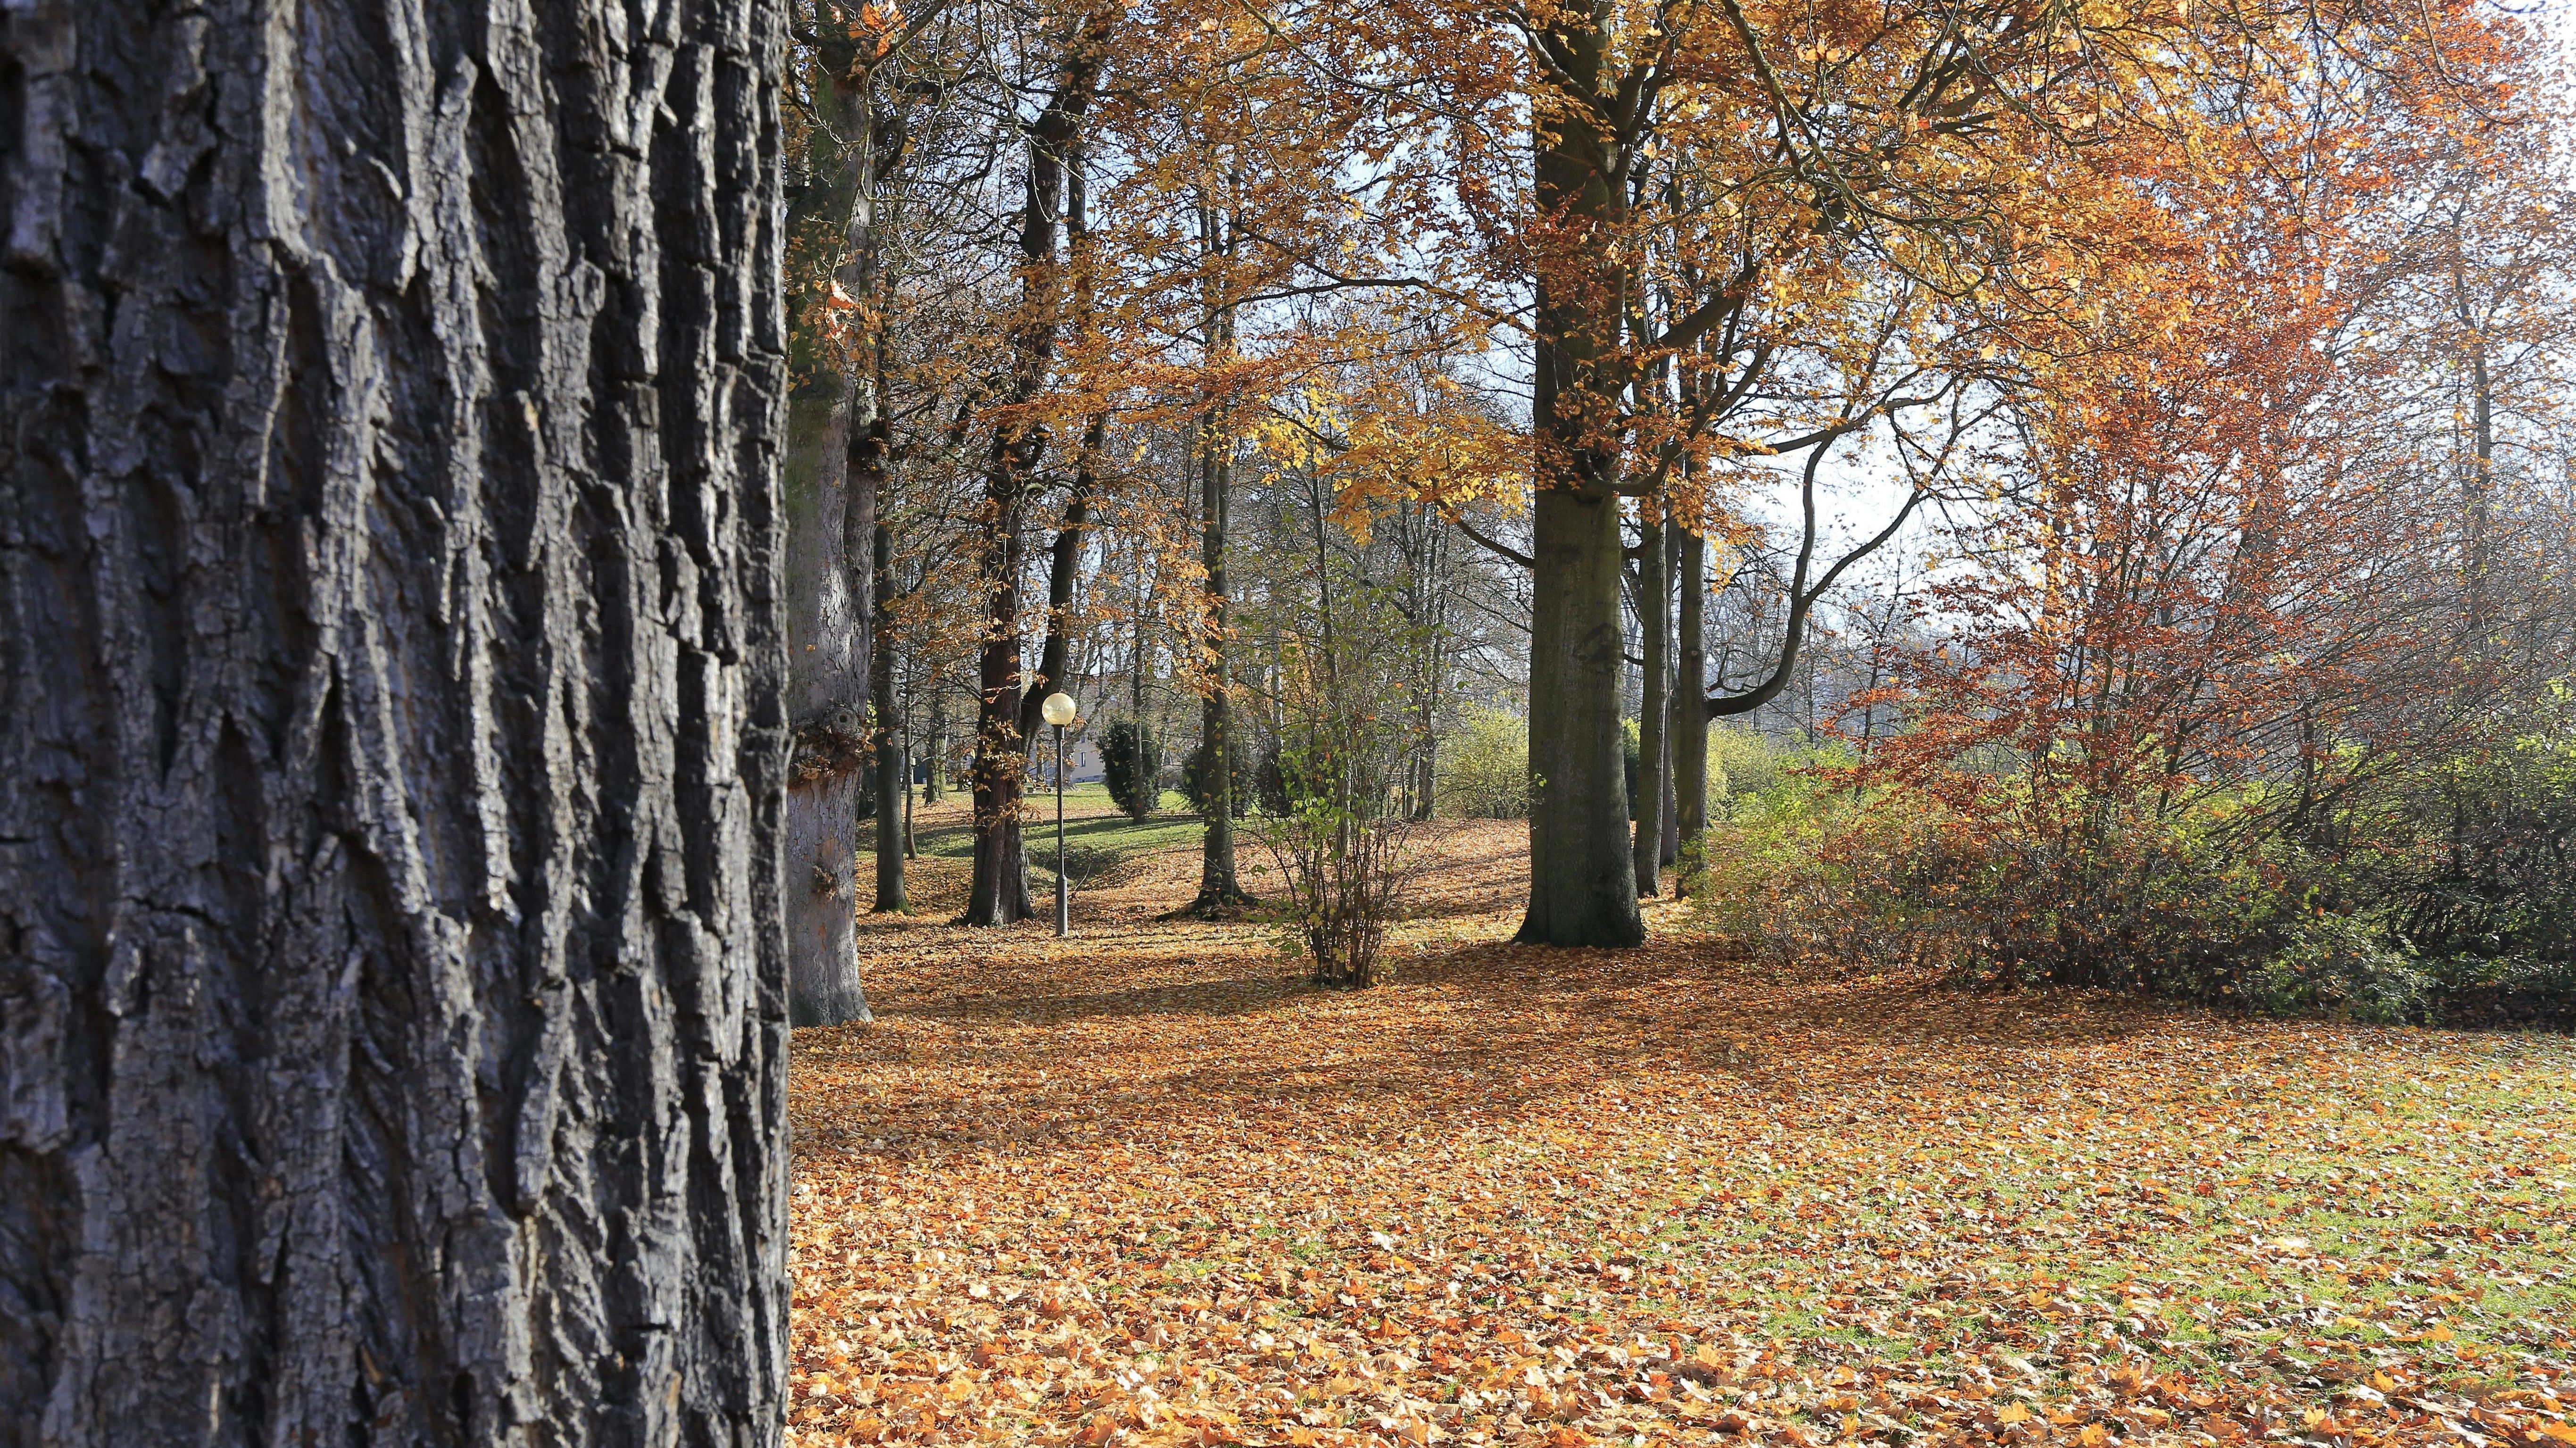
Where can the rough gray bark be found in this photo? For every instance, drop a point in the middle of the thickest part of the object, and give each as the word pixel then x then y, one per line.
pixel 392 1034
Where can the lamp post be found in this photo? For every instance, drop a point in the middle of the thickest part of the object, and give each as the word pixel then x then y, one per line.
pixel 1058 710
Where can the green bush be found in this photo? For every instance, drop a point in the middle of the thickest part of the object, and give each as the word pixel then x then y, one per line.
pixel 1746 765
pixel 2474 855
pixel 1131 760
pixel 2433 890
pixel 2335 965
pixel 1198 780
pixel 1484 766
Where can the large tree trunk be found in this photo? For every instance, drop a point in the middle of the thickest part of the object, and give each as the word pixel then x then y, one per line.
pixel 1583 881
pixel 1583 886
pixel 1654 628
pixel 391 965
pixel 1690 713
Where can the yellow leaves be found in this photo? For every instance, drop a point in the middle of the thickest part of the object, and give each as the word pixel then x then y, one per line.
pixel 1205 1201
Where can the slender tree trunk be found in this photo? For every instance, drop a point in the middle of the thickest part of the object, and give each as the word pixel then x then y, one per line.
pixel 1583 887
pixel 1690 711
pixel 1670 810
pixel 1654 708
pixel 392 726
pixel 827 691
pixel 1220 891
pixel 893 786
pixel 934 773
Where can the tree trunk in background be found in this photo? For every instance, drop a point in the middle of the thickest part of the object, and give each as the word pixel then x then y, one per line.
pixel 999 892
pixel 827 692
pixel 888 764
pixel 934 777
pixel 830 425
pixel 1670 809
pixel 391 965
pixel 1583 882
pixel 1220 891
pixel 1654 707
pixel 1690 712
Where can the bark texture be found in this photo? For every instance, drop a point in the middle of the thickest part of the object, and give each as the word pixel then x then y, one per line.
pixel 392 1028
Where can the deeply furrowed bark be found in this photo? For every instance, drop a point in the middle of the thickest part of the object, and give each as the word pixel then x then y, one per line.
pixel 391 968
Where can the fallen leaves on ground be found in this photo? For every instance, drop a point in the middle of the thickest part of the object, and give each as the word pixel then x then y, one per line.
pixel 1143 1187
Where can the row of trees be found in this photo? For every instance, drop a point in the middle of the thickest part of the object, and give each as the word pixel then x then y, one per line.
pixel 1583 293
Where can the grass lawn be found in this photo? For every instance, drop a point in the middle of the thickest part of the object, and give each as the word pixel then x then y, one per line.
pixel 1145 1187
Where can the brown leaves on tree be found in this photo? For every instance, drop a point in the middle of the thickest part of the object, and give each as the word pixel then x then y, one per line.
pixel 1144 1187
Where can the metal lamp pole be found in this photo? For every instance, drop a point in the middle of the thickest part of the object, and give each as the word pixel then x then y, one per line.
pixel 1058 711
pixel 1063 893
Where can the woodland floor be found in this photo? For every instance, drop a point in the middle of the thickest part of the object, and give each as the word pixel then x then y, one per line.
pixel 1145 1186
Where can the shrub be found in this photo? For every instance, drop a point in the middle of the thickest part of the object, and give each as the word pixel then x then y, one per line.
pixel 1746 765
pixel 1484 766
pixel 1131 758
pixel 2335 965
pixel 2474 855
pixel 1342 847
pixel 1198 780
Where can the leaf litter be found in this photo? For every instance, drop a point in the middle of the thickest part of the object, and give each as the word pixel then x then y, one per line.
pixel 1145 1187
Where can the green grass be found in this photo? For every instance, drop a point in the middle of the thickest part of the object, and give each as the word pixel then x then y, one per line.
pixel 1092 827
